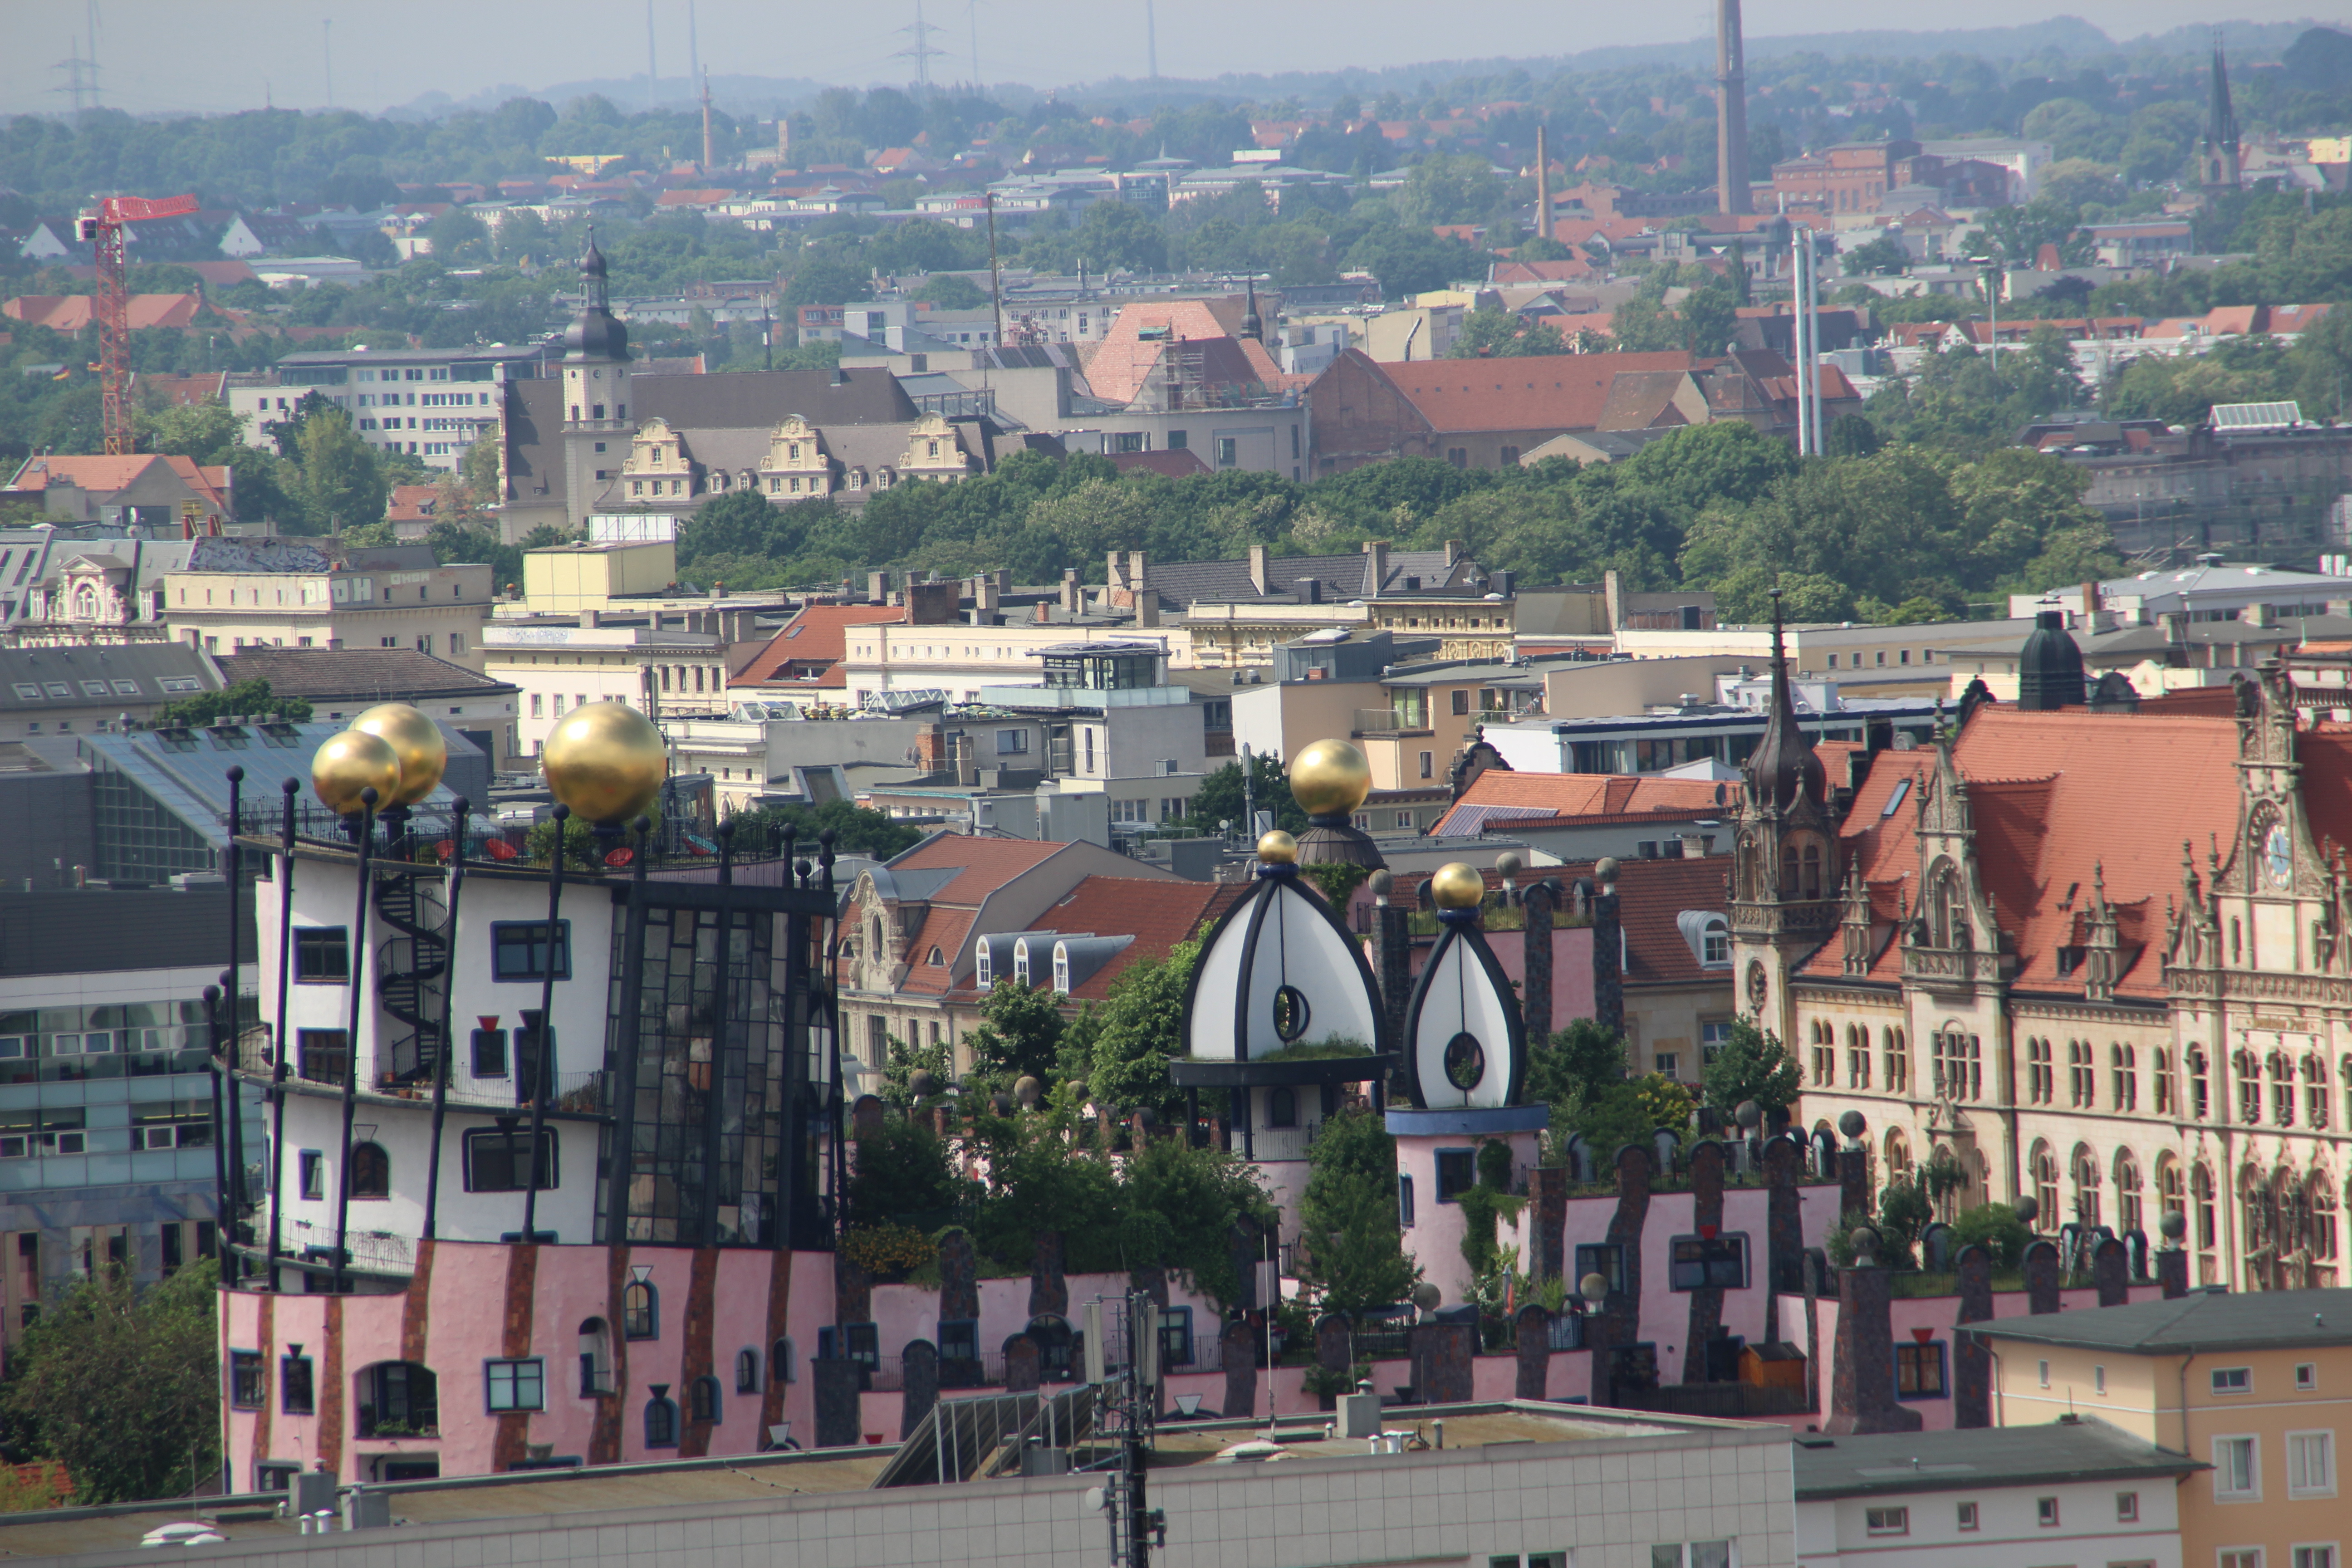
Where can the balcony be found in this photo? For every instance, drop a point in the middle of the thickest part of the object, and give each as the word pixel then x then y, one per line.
pixel 370 1251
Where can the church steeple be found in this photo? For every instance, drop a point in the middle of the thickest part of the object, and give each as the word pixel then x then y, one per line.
pixel 595 334
pixel 2217 153
pixel 1784 770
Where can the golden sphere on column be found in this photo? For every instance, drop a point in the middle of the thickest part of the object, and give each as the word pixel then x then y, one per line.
pixel 1330 778
pixel 423 750
pixel 605 762
pixel 352 762
pixel 1456 886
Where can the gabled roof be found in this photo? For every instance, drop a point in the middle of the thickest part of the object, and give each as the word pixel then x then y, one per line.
pixel 1566 391
pixel 817 634
pixel 1156 914
pixel 103 475
pixel 358 674
pixel 1560 798
pixel 2060 801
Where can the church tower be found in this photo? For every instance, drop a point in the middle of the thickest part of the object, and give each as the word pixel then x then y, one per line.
pixel 1784 891
pixel 2217 151
pixel 596 424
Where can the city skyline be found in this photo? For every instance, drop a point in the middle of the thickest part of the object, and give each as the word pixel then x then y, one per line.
pixel 154 57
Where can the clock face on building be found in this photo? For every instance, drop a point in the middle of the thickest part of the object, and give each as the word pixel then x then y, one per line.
pixel 2278 855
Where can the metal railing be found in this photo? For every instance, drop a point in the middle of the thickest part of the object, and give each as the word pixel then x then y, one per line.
pixel 370 1251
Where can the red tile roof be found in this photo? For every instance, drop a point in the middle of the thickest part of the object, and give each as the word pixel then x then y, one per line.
pixel 102 475
pixel 1157 914
pixel 1575 795
pixel 2057 800
pixel 1565 392
pixel 810 647
pixel 72 312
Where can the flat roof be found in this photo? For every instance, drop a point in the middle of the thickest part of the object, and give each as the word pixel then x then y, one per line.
pixel 2085 1449
pixel 2207 1319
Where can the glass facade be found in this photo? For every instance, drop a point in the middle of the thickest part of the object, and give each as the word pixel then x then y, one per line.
pixel 138 839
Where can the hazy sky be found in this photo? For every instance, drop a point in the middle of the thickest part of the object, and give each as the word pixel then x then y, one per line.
pixel 234 54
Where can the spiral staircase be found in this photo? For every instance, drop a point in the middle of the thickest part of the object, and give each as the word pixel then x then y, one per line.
pixel 412 972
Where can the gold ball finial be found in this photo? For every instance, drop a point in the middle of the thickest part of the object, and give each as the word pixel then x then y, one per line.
pixel 349 763
pixel 1278 849
pixel 424 752
pixel 1330 778
pixel 1456 886
pixel 605 762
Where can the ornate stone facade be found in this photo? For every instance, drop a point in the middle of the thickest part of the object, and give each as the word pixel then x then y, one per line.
pixel 2117 943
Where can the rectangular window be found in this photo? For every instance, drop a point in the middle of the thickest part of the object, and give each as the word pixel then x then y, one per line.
pixel 495 1161
pixel 489 1053
pixel 1887 1520
pixel 2045 1512
pixel 2241 1557
pixel 2315 1556
pixel 1229 451
pixel 1703 1262
pixel 518 949
pixel 1462 702
pixel 2310 1463
pixel 321 1054
pixel 294 1390
pixel 2237 1477
pixel 1920 1371
pixel 1404 1201
pixel 1457 1170
pixel 248 1383
pixel 515 1384
pixel 2128 1508
pixel 322 955
pixel 1968 1516
pixel 2307 1374
pixel 2234 1380
pixel 1669 1064
pixel 314 1166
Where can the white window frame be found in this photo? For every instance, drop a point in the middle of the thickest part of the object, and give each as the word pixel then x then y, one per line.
pixel 2222 1490
pixel 1886 1522
pixel 2325 1438
pixel 2221 1392
pixel 2305 1554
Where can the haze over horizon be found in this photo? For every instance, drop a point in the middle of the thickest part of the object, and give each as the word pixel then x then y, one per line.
pixel 225 56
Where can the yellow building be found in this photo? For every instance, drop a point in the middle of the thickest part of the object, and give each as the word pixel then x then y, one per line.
pixel 389 598
pixel 566 579
pixel 2258 1386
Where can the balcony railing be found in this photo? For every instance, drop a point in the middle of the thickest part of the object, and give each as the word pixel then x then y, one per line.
pixel 371 1251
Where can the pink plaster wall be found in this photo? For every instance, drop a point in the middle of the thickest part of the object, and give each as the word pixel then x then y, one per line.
pixel 465 1327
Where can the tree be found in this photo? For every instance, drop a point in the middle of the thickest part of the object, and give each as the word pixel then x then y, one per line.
pixel 1219 800
pixel 1576 1062
pixel 1020 1031
pixel 827 279
pixel 1752 1065
pixel 123 1389
pixel 1356 1258
pixel 1852 436
pixel 339 483
pixel 1138 1028
pixel 1177 1208
pixel 244 697
pixel 857 830
pixel 901 1173
pixel 1492 333
pixel 1882 256
pixel 952 292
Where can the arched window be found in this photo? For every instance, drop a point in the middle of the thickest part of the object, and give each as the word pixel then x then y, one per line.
pixel 2250 1086
pixel 2314 1094
pixel 1811 876
pixel 2200 1095
pixel 2045 1187
pixel 747 1371
pixel 2320 1200
pixel 595 1358
pixel 1898 1154
pixel 1787 870
pixel 1898 1060
pixel 783 1365
pixel 371 1170
pixel 1020 962
pixel 2128 1195
pixel 2171 1189
pixel 1947 908
pixel 2086 1185
pixel 2041 1075
pixel 2160 1081
pixel 702 1399
pixel 2281 1074
pixel 2081 1075
pixel 661 1418
pixel 640 1310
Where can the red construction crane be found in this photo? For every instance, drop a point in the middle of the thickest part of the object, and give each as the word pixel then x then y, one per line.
pixel 102 225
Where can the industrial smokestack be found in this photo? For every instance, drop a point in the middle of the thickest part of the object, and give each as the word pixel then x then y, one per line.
pixel 1730 111
pixel 1543 183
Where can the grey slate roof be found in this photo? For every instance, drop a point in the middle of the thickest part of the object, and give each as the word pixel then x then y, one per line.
pixel 360 674
pixel 2199 1322
pixel 1183 583
pixel 1897 1462
pixel 96 677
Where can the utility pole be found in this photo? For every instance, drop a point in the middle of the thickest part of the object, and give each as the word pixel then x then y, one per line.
pixel 972 9
pixel 995 290
pixel 1150 40
pixel 707 160
pixel 1129 1405
pixel 327 50
pixel 653 71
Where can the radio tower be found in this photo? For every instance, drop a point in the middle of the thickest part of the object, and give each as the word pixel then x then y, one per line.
pixel 921 50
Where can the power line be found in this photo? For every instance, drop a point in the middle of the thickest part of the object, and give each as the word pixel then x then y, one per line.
pixel 81 80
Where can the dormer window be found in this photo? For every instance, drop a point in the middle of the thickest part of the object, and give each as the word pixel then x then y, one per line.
pixel 934 958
